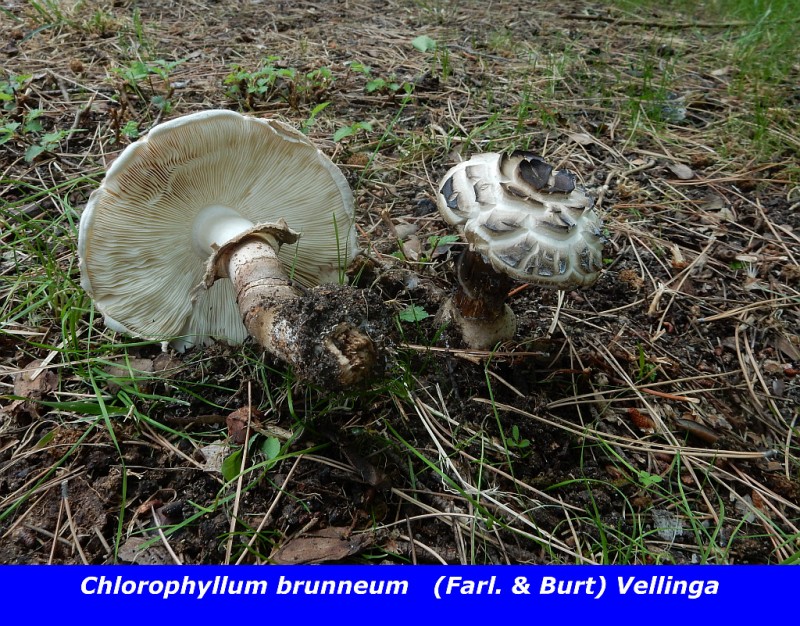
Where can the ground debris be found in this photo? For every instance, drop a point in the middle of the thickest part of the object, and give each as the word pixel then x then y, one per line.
pixel 36 382
pixel 320 546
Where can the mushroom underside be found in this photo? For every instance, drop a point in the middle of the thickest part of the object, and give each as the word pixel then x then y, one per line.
pixel 182 243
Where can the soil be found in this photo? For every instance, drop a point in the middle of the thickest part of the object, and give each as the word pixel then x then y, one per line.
pixel 679 365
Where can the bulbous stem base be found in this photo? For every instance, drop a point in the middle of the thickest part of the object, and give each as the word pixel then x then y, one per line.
pixel 480 334
pixel 478 307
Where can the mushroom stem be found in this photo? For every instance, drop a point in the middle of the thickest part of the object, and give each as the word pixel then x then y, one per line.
pixel 478 307
pixel 216 225
pixel 481 290
pixel 258 278
pixel 281 318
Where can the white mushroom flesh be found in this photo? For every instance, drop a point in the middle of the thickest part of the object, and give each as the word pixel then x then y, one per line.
pixel 215 226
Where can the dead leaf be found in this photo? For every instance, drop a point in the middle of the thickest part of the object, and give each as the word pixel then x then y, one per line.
pixel 319 546
pixel 404 230
pixel 744 506
pixel 701 431
pixel 772 367
pixel 411 248
pixel 667 525
pixel 789 345
pixel 127 371
pixel 214 454
pixel 582 139
pixel 33 384
pixel 135 550
pixel 237 424
pixel 131 366
pixel 684 172
pixel 166 364
pixel 714 202
pixel 370 474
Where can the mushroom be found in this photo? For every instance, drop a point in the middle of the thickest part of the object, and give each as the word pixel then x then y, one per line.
pixel 182 242
pixel 524 221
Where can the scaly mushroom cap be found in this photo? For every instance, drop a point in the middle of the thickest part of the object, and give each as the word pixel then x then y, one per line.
pixel 530 221
pixel 193 183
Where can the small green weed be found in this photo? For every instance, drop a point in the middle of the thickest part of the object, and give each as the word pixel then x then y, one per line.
pixel 30 133
pixel 263 450
pixel 515 441
pixel 379 85
pixel 414 313
pixel 102 23
pixel 440 55
pixel 10 88
pixel 385 86
pixel 130 130
pixel 647 372
pixel 352 130
pixel 312 116
pixel 138 78
pixel 271 80
pixel 651 94
pixel 423 43
pixel 48 12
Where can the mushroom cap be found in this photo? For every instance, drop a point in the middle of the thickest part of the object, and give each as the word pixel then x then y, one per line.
pixel 139 259
pixel 530 221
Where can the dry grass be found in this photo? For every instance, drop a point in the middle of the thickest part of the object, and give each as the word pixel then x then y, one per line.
pixel 651 418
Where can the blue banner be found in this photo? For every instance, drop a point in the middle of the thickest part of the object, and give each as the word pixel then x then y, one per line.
pixel 397 594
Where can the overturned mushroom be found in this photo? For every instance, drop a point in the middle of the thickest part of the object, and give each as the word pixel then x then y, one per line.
pixel 524 221
pixel 182 242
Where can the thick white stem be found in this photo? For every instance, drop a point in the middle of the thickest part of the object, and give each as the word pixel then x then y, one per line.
pixel 215 226
pixel 301 328
pixel 478 309
pixel 261 287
